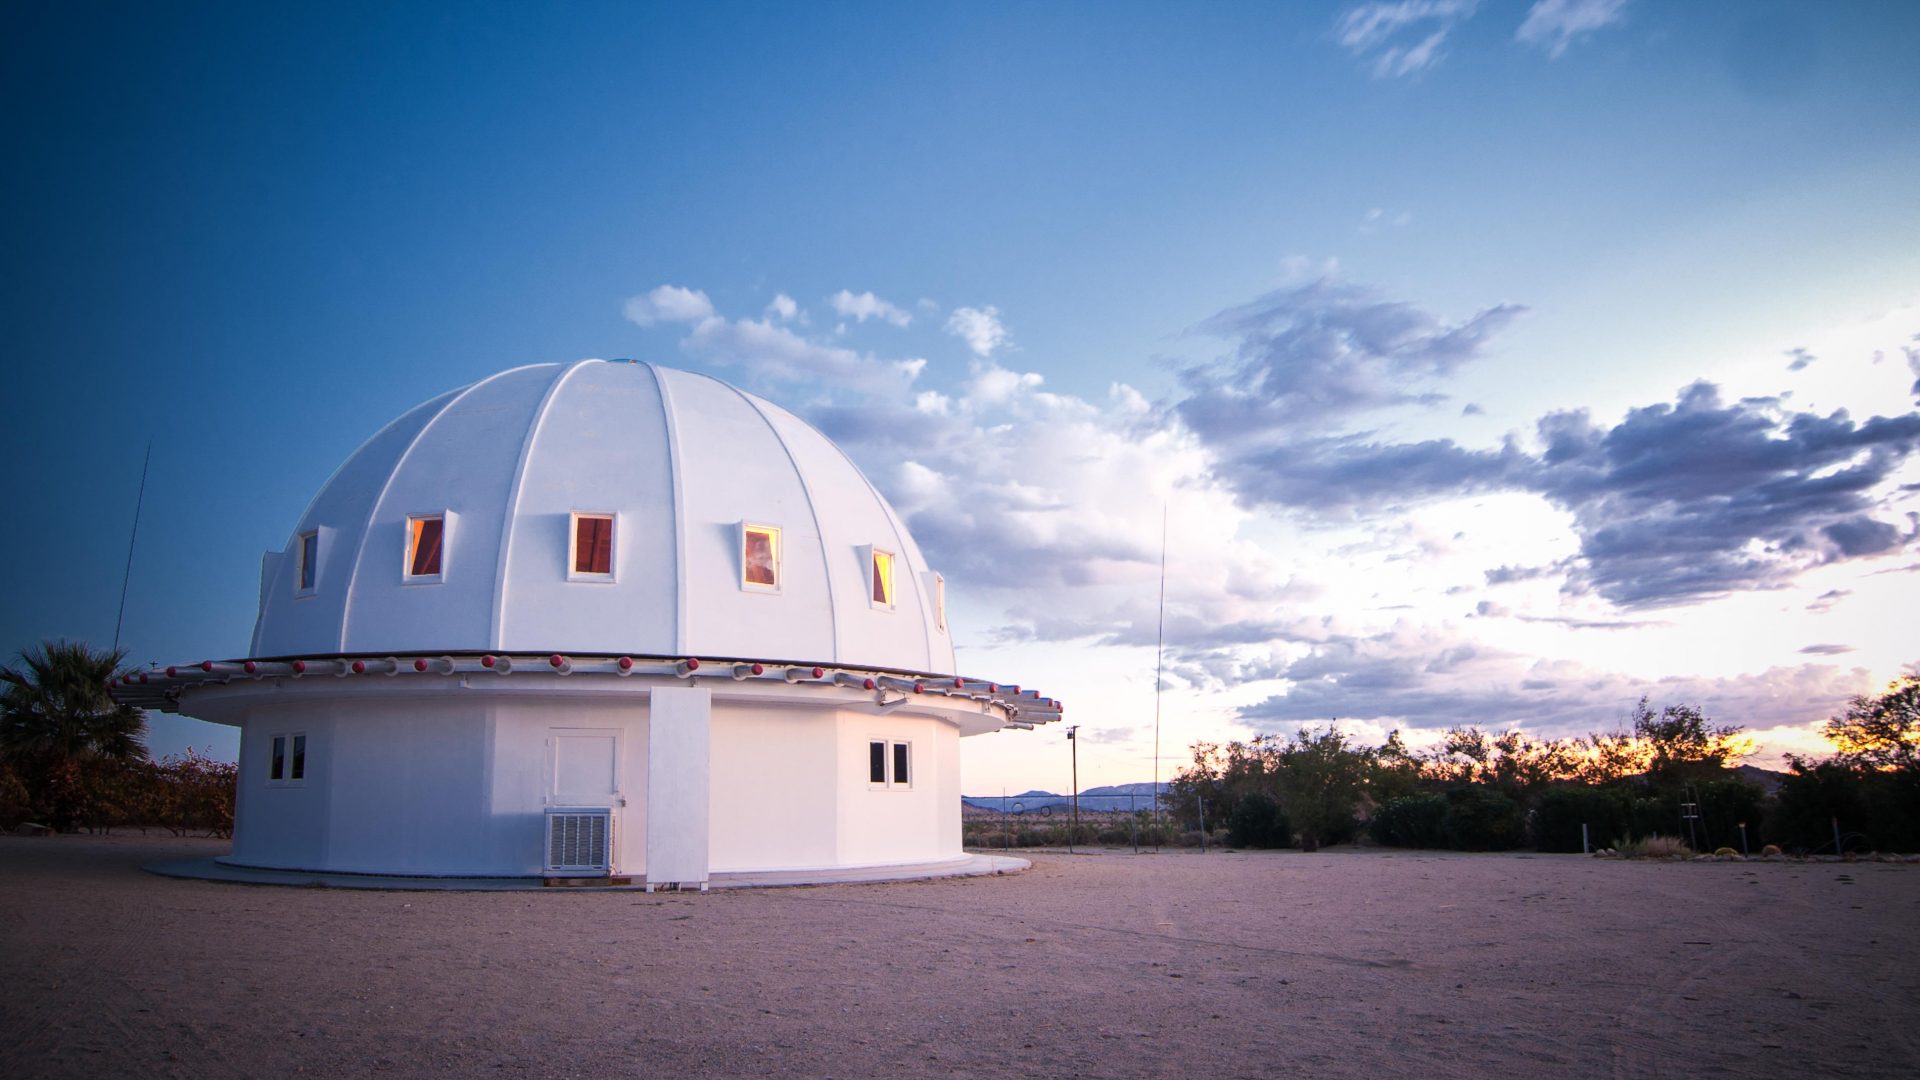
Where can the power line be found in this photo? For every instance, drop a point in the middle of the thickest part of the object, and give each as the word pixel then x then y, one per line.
pixel 138 501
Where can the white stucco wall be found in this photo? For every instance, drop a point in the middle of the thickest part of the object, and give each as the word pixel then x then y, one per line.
pixel 457 782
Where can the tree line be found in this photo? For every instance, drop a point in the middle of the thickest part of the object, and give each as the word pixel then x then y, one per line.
pixel 72 758
pixel 1671 773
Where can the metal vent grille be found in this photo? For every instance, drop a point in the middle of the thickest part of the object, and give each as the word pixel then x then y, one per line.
pixel 580 841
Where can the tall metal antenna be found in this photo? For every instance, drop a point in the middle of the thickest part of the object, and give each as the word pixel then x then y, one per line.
pixel 138 501
pixel 1159 658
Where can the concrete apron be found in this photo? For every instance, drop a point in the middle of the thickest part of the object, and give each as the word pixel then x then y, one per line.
pixel 213 870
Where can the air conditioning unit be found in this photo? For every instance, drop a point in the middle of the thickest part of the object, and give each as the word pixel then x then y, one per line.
pixel 580 841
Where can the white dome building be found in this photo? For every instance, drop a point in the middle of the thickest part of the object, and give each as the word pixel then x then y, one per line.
pixel 602 619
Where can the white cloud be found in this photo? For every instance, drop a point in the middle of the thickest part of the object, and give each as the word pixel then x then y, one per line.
pixel 1402 37
pixel 1553 24
pixel 980 328
pixel 669 304
pixel 866 305
pixel 1377 218
pixel 993 384
pixel 774 351
pixel 782 308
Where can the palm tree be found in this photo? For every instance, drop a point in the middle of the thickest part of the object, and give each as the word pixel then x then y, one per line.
pixel 57 720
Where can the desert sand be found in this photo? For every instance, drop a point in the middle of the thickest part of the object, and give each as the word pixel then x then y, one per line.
pixel 1342 963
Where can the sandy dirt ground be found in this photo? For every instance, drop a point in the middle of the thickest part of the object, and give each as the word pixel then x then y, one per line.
pixel 1361 963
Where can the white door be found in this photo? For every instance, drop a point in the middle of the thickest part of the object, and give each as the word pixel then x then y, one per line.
pixel 583 767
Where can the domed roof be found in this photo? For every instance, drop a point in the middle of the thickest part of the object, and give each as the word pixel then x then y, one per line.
pixel 611 508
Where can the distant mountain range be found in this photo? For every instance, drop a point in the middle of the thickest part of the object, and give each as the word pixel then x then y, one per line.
pixel 1116 797
pixel 1100 799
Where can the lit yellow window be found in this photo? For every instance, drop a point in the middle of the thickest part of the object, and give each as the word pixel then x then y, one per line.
pixel 760 556
pixel 882 578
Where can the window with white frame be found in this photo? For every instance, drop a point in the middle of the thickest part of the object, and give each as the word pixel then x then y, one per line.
pixel 426 542
pixel 759 557
pixel 287 759
pixel 937 590
pixel 880 578
pixel 306 574
pixel 590 552
pixel 889 763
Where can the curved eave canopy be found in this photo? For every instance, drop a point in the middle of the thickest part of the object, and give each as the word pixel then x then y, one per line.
pixel 1001 705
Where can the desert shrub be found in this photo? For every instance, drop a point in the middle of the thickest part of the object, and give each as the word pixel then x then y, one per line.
pixel 1560 811
pixel 16 804
pixel 1412 821
pixel 1481 819
pixel 1651 816
pixel 1257 822
pixel 1653 847
pixel 1724 804
pixel 1883 806
pixel 195 794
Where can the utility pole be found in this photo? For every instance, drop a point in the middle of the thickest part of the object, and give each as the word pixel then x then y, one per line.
pixel 1074 744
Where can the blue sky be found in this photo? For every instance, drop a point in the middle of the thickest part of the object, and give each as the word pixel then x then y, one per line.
pixel 1487 358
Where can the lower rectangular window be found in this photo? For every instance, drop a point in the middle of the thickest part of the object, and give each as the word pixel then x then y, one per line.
pixel 889 763
pixel 287 761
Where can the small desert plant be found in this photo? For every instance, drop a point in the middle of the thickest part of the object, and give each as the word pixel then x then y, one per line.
pixel 1653 847
pixel 1770 849
pixel 1724 851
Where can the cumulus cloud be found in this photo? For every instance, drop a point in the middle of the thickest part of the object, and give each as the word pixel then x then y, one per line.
pixel 782 307
pixel 1676 503
pixel 1799 359
pixel 980 328
pixel 669 304
pixel 1554 24
pixel 1691 500
pixel 1402 37
pixel 1309 354
pixel 863 306
pixel 1826 600
pixel 770 349
pixel 1429 680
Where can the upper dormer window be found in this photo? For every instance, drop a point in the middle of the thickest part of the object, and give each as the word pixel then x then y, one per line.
pixel 425 540
pixel 307 554
pixel 592 555
pixel 760 557
pixel 882 579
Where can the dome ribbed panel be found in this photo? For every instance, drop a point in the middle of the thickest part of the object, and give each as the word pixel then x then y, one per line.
pixel 601 448
pixel 680 460
pixel 289 624
pixel 461 465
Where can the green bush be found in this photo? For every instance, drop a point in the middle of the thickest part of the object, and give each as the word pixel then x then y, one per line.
pixel 1560 811
pixel 1481 819
pixel 1877 810
pixel 1257 822
pixel 1412 821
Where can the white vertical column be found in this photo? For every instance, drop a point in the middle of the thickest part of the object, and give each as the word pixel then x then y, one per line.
pixel 678 772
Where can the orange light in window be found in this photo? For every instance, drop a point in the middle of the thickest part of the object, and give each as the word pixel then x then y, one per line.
pixel 424 556
pixel 592 545
pixel 760 555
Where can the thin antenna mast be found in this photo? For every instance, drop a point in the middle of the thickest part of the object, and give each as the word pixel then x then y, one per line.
pixel 138 501
pixel 1159 658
